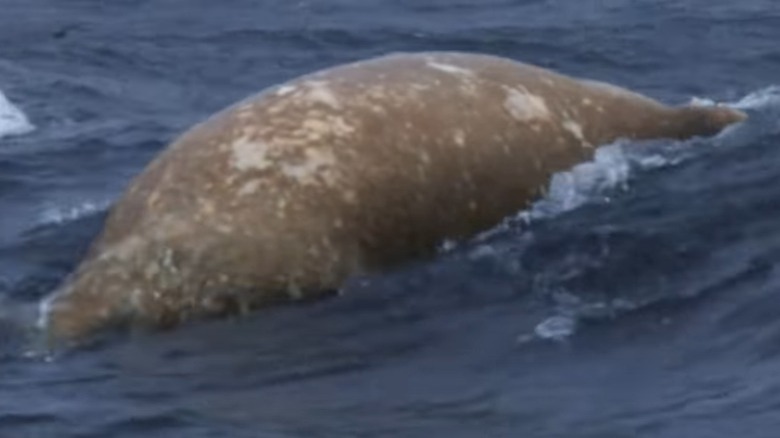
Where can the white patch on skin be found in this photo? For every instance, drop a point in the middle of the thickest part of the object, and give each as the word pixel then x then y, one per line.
pixel 206 206
pixel 340 127
pixel 460 138
pixel 525 106
pixel 167 260
pixel 151 270
pixel 319 91
pixel 124 250
pixel 294 292
pixel 350 197
pixel 249 188
pixel 285 89
pixel 151 201
pixel 469 88
pixel 224 229
pixel 249 155
pixel 419 87
pixel 575 129
pixel 135 298
pixel 279 106
pixel 587 102
pixel 315 129
pixel 315 163
pixel 449 68
pixel 376 92
pixel 313 250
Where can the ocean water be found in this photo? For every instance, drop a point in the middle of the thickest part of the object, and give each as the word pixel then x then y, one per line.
pixel 639 298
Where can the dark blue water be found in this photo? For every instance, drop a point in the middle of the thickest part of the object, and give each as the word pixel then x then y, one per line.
pixel 641 298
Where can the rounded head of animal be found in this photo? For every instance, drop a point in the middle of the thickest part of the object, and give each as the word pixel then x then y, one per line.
pixel 708 120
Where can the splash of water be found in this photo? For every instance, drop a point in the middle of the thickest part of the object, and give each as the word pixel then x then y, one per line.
pixel 12 120
pixel 610 169
pixel 56 215
pixel 766 97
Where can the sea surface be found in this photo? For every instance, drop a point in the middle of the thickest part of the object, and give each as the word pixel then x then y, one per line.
pixel 639 298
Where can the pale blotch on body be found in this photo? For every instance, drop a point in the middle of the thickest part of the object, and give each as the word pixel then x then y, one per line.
pixel 248 155
pixel 525 106
pixel 285 89
pixel 424 157
pixel 349 196
pixel 135 298
pixel 315 164
pixel 419 87
pixel 459 137
pixel 319 91
pixel 449 68
pixel 315 128
pixel 125 249
pixel 576 130
pixel 249 188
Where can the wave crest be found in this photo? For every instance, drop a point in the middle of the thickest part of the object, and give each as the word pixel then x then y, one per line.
pixel 56 215
pixel 12 120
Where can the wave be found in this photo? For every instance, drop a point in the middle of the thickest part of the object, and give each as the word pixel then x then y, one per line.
pixel 614 164
pixel 597 180
pixel 57 215
pixel 12 120
pixel 769 96
pixel 610 171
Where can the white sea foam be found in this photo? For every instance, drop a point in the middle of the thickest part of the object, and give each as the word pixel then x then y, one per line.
pixel 63 214
pixel 556 328
pixel 613 165
pixel 595 180
pixel 769 96
pixel 12 120
pixel 610 169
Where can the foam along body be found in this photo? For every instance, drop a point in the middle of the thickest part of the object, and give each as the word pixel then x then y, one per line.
pixel 348 170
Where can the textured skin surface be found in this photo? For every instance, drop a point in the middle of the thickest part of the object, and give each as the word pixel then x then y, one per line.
pixel 348 170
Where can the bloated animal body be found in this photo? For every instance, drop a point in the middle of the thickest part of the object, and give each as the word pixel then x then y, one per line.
pixel 349 170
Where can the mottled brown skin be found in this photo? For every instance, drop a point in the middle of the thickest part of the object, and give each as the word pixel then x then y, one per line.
pixel 350 170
